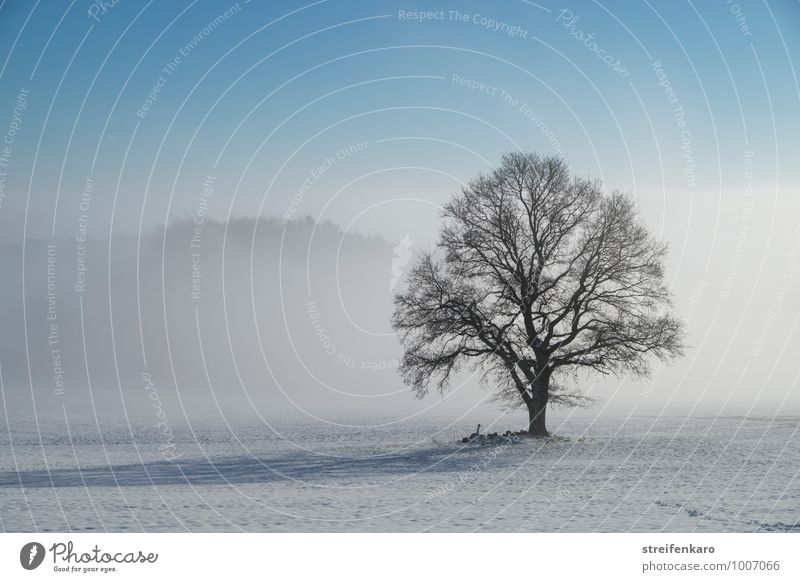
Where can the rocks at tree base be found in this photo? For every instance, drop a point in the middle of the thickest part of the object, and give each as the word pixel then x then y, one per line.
pixel 507 437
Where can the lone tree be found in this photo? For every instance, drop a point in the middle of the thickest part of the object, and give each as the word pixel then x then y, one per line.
pixel 537 275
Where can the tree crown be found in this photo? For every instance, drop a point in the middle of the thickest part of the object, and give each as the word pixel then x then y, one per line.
pixel 536 271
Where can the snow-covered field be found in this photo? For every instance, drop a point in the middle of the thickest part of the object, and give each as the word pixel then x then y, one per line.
pixel 605 474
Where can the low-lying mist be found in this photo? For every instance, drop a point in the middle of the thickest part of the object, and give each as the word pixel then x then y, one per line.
pixel 255 317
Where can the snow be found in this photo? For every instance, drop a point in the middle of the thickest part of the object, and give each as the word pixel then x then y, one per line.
pixel 603 474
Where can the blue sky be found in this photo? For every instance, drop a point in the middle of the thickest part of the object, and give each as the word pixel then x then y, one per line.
pixel 276 88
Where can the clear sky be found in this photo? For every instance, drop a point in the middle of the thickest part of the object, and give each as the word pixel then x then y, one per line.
pixel 265 93
pixel 371 114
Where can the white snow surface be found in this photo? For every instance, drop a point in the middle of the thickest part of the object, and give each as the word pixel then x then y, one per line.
pixel 603 474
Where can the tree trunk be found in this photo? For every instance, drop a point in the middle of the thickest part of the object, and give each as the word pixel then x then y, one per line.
pixel 536 423
pixel 537 405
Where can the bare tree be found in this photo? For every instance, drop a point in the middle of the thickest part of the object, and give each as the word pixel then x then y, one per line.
pixel 537 275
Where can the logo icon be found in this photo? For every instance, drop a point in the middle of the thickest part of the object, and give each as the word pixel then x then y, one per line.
pixel 31 555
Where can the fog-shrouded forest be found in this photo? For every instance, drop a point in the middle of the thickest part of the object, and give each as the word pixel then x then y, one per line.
pixel 244 317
